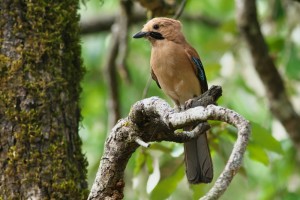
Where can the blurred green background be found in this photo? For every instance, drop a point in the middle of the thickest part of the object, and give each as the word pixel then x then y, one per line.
pixel 270 169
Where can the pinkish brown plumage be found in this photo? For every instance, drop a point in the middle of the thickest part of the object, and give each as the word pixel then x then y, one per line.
pixel 178 71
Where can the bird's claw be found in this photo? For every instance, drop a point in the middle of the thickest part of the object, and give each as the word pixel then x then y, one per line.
pixel 188 104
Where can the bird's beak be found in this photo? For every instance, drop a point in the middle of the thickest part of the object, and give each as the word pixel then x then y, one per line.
pixel 140 34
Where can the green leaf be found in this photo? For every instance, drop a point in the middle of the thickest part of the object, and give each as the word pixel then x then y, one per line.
pixel 212 69
pixel 276 43
pixel 149 163
pixel 229 26
pixel 198 190
pixel 279 10
pixel 291 196
pixel 167 186
pixel 263 138
pixel 292 68
pixel 160 147
pixel 257 153
pixel 140 160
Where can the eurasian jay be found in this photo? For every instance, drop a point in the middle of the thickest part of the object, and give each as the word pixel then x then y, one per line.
pixel 178 71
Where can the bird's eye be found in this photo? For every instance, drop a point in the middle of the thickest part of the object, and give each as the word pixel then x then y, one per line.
pixel 156 26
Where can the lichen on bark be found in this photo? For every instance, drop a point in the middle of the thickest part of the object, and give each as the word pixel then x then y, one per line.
pixel 40 73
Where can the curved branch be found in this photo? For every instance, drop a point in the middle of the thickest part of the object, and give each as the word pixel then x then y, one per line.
pixel 279 102
pixel 111 78
pixel 124 20
pixel 153 119
pixel 117 52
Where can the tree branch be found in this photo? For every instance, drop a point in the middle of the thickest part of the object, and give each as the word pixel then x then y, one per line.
pixel 279 102
pixel 117 53
pixel 124 20
pixel 103 23
pixel 111 78
pixel 180 9
pixel 153 119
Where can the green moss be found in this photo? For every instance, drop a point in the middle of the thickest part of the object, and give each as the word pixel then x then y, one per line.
pixel 40 87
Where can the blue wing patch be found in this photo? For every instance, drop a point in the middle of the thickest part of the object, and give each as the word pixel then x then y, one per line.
pixel 200 74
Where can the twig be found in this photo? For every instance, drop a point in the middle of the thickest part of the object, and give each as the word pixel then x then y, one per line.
pixel 147 86
pixel 180 9
pixel 196 132
pixel 123 21
pixel 112 84
pixel 118 47
pixel 141 142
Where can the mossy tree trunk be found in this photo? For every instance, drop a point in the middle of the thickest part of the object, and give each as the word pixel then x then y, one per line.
pixel 40 71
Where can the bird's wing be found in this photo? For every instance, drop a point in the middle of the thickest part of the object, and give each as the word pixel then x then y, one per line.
pixel 199 166
pixel 198 67
pixel 154 78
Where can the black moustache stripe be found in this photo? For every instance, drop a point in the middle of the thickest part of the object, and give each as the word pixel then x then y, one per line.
pixel 156 35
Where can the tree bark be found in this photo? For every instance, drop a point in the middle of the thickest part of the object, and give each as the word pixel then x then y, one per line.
pixel 40 71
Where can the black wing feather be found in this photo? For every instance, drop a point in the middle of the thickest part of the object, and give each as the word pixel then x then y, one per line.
pixel 155 78
pixel 200 73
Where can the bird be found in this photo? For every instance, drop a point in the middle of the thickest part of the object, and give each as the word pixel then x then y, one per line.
pixel 177 69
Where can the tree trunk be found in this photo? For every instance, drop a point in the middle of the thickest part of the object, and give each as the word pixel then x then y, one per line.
pixel 40 72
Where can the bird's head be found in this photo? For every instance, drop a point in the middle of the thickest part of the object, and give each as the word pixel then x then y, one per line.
pixel 161 28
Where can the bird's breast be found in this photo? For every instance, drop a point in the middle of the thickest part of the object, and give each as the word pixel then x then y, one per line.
pixel 174 72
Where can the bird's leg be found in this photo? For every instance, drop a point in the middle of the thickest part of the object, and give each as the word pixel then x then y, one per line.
pixel 188 104
pixel 179 108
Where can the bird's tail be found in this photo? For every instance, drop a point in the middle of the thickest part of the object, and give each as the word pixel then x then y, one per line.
pixel 199 167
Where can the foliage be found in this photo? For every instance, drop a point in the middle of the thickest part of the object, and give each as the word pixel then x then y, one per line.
pixel 269 170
